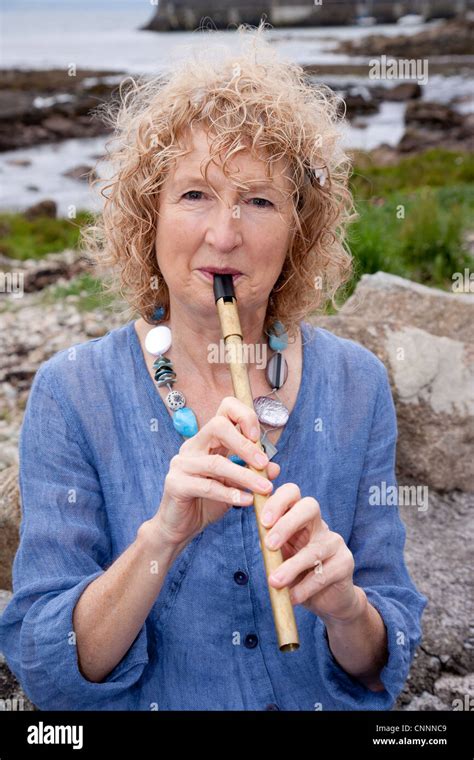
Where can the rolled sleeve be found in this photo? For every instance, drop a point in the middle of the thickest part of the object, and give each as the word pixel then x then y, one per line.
pixel 64 546
pixel 377 543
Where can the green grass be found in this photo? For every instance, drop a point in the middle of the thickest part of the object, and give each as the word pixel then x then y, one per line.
pixel 413 218
pixel 427 245
pixel 433 168
pixel 22 239
pixel 88 289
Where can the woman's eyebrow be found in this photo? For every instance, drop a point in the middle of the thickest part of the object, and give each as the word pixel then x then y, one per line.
pixel 185 179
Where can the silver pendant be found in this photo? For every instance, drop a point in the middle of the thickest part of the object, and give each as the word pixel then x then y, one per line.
pixel 270 411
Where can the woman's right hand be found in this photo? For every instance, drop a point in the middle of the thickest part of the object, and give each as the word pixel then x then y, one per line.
pixel 202 482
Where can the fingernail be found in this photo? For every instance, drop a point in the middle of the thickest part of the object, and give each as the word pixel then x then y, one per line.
pixel 276 577
pixel 272 540
pixel 267 518
pixel 255 433
pixel 265 484
pixel 261 458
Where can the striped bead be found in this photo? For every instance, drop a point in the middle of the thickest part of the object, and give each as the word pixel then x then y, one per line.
pixel 277 370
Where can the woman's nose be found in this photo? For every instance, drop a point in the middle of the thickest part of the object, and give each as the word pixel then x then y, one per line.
pixel 223 227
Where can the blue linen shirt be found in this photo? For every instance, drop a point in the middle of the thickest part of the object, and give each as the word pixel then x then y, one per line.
pixel 95 446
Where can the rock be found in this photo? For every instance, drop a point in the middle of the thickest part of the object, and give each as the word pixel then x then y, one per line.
pixel 14 105
pixel 92 328
pixel 437 553
pixel 426 702
pixel 457 691
pixel 383 155
pixel 397 299
pixel 46 106
pixel 19 162
pixel 63 127
pixel 10 516
pixel 45 274
pixel 82 172
pixel 5 597
pixel 46 207
pixel 12 697
pixel 424 337
pixel 359 100
pixel 403 91
pixel 38 274
pixel 434 124
pixel 432 115
pixel 450 38
pixel 31 332
pixel 8 456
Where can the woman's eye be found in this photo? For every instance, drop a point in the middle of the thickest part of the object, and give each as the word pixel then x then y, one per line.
pixel 192 192
pixel 262 202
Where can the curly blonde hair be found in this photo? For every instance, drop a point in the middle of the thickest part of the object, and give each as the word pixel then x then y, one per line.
pixel 253 100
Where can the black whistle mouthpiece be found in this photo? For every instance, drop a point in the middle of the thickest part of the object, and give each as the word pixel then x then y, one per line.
pixel 223 287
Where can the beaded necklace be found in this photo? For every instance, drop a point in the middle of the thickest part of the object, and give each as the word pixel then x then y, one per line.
pixel 269 409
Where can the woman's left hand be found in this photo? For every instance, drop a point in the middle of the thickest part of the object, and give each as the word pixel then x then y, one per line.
pixel 304 538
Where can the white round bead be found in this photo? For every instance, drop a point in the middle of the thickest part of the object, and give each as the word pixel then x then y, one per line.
pixel 158 340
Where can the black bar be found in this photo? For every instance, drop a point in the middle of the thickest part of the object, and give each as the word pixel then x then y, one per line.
pixel 134 734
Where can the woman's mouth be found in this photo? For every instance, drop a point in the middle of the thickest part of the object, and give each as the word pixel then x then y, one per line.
pixel 209 275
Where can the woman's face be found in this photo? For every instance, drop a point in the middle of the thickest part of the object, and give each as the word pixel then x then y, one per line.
pixel 248 231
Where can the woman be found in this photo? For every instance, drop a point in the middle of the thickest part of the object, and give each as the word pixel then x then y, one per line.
pixel 139 581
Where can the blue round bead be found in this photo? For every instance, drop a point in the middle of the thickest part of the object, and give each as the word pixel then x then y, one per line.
pixel 185 422
pixel 235 458
pixel 278 337
pixel 158 314
pixel 278 344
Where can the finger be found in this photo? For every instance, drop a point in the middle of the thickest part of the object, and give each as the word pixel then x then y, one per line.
pixel 322 527
pixel 279 502
pixel 190 487
pixel 305 512
pixel 243 415
pixel 304 560
pixel 217 466
pixel 283 521
pixel 336 569
pixel 273 470
pixel 220 431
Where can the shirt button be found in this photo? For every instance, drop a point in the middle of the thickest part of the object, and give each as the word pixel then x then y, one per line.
pixel 241 578
pixel 251 640
pixel 272 706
